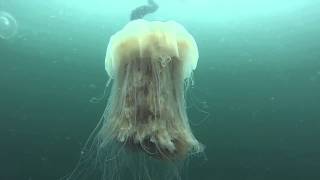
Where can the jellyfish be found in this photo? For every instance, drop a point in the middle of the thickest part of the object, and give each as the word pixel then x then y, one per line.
pixel 144 132
pixel 8 25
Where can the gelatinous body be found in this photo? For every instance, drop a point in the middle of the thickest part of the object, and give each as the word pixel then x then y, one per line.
pixel 149 62
pixel 144 129
pixel 8 25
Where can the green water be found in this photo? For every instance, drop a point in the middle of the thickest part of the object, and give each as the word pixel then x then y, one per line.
pixel 258 78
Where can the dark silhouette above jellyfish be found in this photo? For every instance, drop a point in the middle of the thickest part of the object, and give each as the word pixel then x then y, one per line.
pixel 143 10
pixel 144 132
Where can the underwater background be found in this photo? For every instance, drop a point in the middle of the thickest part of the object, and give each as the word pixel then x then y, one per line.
pixel 255 103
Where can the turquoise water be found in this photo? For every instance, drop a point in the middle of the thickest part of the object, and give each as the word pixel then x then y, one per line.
pixel 258 79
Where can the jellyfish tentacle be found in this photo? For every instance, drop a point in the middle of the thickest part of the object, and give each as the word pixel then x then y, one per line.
pixel 98 99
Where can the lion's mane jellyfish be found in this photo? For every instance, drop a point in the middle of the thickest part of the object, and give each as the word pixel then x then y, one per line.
pixel 149 62
pixel 144 132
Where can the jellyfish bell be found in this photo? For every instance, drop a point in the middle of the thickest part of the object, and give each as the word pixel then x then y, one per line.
pixel 8 25
pixel 145 126
pixel 156 39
